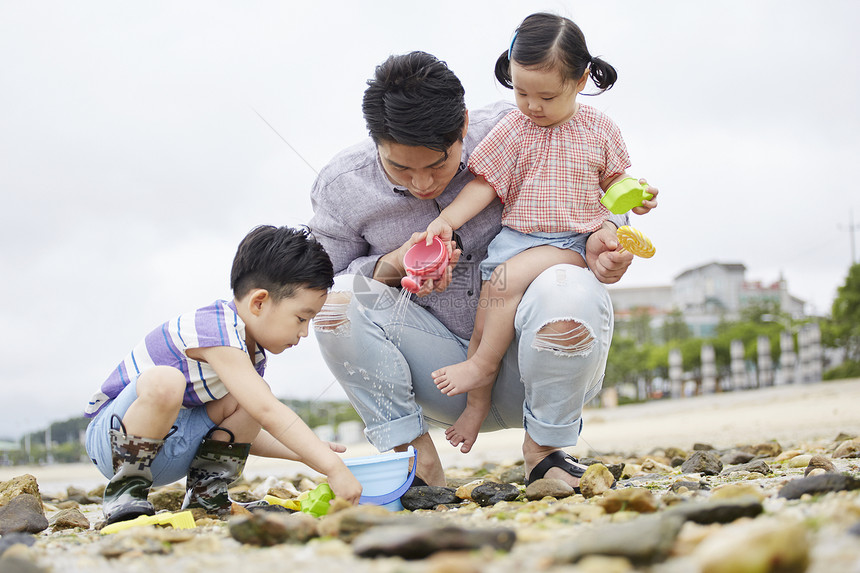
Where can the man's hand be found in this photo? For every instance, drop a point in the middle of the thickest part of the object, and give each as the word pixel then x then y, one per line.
pixel 602 256
pixel 439 285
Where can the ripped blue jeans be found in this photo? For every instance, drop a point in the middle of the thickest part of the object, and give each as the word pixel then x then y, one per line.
pixel 382 354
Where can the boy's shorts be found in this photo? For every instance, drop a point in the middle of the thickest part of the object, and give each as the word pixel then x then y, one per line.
pixel 171 463
pixel 509 243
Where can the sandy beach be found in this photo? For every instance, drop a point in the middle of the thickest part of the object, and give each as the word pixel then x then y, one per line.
pixel 789 414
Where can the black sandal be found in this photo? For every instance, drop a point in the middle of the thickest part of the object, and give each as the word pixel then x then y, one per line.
pixel 558 459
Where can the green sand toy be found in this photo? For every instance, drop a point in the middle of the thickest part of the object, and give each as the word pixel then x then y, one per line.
pixel 625 195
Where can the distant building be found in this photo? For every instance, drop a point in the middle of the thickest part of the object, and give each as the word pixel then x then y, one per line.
pixel 704 295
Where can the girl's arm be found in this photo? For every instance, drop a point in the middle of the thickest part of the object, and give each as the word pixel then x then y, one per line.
pixel 234 368
pixel 647 205
pixel 473 199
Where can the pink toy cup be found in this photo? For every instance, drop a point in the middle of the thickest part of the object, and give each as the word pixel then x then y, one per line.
pixel 424 262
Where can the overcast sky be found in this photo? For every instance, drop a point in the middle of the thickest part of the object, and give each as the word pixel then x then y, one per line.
pixel 134 161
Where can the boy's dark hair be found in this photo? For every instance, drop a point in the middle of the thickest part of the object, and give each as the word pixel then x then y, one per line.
pixel 280 260
pixel 414 99
pixel 548 41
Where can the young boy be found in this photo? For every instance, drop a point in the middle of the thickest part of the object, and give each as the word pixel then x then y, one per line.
pixel 190 399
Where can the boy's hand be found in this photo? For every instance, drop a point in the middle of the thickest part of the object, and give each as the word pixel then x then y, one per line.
pixel 338 448
pixel 648 204
pixel 344 485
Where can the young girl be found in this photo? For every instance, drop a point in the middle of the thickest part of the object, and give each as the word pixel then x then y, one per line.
pixel 549 161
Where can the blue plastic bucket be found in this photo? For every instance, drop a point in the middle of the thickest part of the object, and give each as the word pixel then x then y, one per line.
pixel 385 477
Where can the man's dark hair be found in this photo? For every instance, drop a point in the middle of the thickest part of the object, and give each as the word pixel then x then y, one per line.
pixel 280 260
pixel 414 99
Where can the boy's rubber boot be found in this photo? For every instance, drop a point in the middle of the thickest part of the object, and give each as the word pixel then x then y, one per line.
pixel 215 465
pixel 125 494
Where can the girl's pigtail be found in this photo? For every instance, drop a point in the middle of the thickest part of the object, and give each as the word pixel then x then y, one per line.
pixel 602 74
pixel 503 71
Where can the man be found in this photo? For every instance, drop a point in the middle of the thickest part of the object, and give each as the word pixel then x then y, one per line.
pixel 369 204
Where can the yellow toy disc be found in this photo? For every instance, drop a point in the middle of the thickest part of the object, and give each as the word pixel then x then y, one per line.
pixel 634 241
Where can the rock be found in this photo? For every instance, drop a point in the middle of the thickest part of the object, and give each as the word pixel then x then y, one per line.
pixel 820 462
pixel 16 486
pixel 855 529
pixel 548 487
pixel 465 490
pixel 847 449
pixel 699 447
pixel 97 492
pixel 10 539
pixel 82 497
pixel 689 485
pixel 617 470
pixel 266 529
pixel 818 484
pixel 167 499
pixel 23 513
pixel 767 449
pixel 69 519
pixel 758 546
pixel 419 541
pixel 428 497
pixel 702 462
pixel 596 480
pixel 630 470
pixel 757 466
pixel 800 461
pixel 636 499
pixel 719 511
pixel 491 493
pixel 644 540
pixel 604 564
pixel 652 466
pixel 672 452
pixel 735 457
pixel 67 504
pixel 350 523
pixel 737 491
pixel 19 565
pixel 515 474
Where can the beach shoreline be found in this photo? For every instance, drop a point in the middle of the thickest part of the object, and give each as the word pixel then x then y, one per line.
pixel 791 415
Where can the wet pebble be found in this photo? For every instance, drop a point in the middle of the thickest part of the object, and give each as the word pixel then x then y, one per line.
pixel 818 484
pixel 548 487
pixel 596 480
pixel 420 541
pixel 428 497
pixel 702 462
pixel 69 519
pixel 491 493
pixel 268 528
pixel 23 513
pixel 758 466
pixel 821 462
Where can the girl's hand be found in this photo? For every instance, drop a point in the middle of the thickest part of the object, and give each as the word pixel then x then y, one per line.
pixel 648 204
pixel 337 448
pixel 344 485
pixel 441 228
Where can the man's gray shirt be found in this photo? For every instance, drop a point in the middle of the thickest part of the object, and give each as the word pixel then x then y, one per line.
pixel 359 216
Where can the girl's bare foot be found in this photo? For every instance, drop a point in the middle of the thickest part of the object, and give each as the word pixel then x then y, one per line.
pixel 465 376
pixel 465 429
